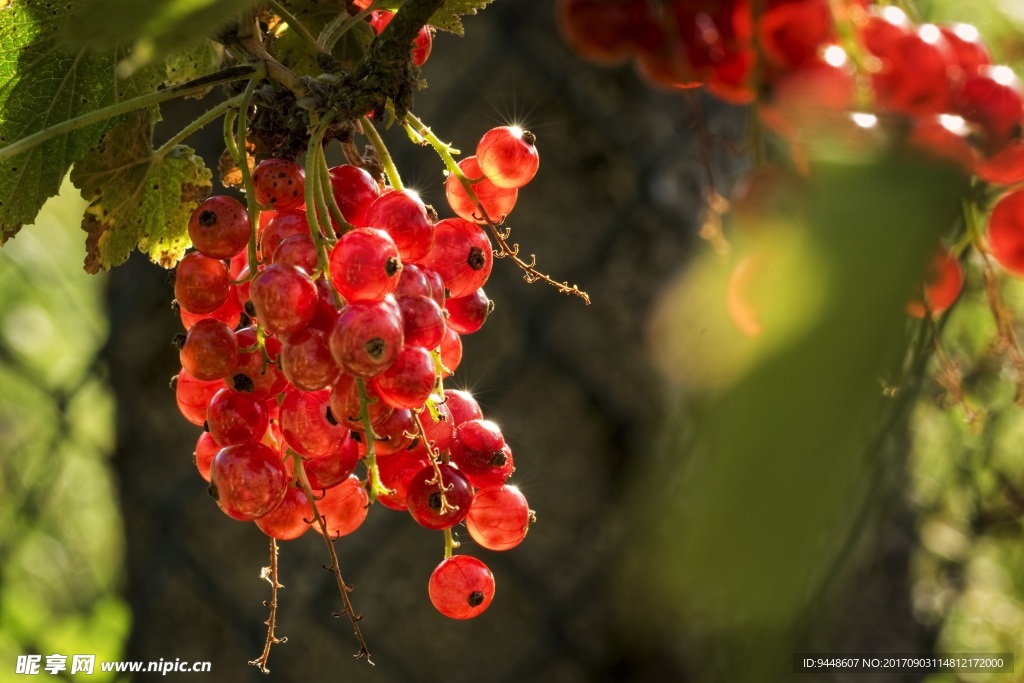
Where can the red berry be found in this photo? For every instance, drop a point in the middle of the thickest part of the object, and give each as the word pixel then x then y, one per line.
pixel 1005 167
pixel 461 587
pixel 883 27
pixel 279 184
pixel 285 299
pixel 220 227
pixel 481 454
pixel 343 508
pixel 228 312
pixel 308 425
pixel 496 201
pixel 397 472
pixel 991 99
pixel 206 450
pixel 968 48
pixel 467 314
pixel 288 520
pixel 409 381
pixel 461 255
pixel 603 31
pixel 248 480
pixel 451 351
pixel 915 75
pixel 346 408
pixel 306 360
pixel 942 287
pixel 396 433
pixel 462 406
pixel 792 32
pixel 424 497
pixel 421 44
pixel 298 251
pixel 508 156
pixel 210 350
pixel 365 265
pixel 201 283
pixel 499 517
pixel 1006 232
pixel 194 395
pixel 283 225
pixel 264 381
pixel 422 322
pixel 366 338
pixel 403 216
pixel 330 470
pixel 354 190
pixel 234 417
pixel 441 432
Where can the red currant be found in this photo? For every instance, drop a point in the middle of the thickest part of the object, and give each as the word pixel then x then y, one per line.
pixel 279 184
pixel 461 587
pixel 219 227
pixel 248 480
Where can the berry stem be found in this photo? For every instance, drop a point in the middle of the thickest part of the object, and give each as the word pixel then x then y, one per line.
pixel 250 39
pixel 449 543
pixel 382 151
pixel 313 192
pixel 243 166
pixel 338 27
pixel 327 192
pixel 376 488
pixel 269 574
pixel 432 453
pixel 530 272
pixel 254 72
pixel 296 25
pixel 1007 340
pixel 335 567
pixel 191 128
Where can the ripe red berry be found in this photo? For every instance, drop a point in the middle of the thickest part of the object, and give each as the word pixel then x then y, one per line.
pixel 354 190
pixel 461 587
pixel 308 425
pixel 285 299
pixel 467 314
pixel 210 350
pixel 481 454
pixel 403 216
pixel 343 508
pixel 346 409
pixel 193 395
pixel 1006 232
pixel 451 351
pixel 991 99
pixel 330 470
pixel 409 381
pixel 248 480
pixel 883 27
pixel 365 265
pixel 462 406
pixel 421 43
pixel 298 251
pixel 1006 167
pixel 219 227
pixel 206 450
pixel 442 431
pixel 603 31
pixel 499 517
pixel 228 312
pixel 916 74
pixel 283 225
pixel 288 520
pixel 424 497
pixel 234 417
pixel 968 48
pixel 397 472
pixel 945 279
pixel 508 156
pixel 422 322
pixel 496 202
pixel 279 184
pixel 792 32
pixel 306 360
pixel 201 283
pixel 461 255
pixel 396 433
pixel 251 374
pixel 366 338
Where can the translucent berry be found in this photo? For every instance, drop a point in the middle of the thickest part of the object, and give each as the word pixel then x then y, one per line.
pixel 219 227
pixel 1006 232
pixel 461 255
pixel 496 201
pixel 991 99
pixel 248 480
pixel 330 470
pixel 424 498
pixel 308 425
pixel 409 381
pixel 397 472
pixel 461 587
pixel 285 299
pixel 462 406
pixel 282 226
pixel 365 265
pixel 201 283
pixel 251 374
pixel 945 279
pixel 366 338
pixel 279 184
pixel 422 322
pixel 451 351
pixel 498 518
pixel 194 395
pixel 299 251
pixel 288 520
pixel 345 405
pixel 206 450
pixel 235 417
pixel 210 350
pixel 508 156
pixel 354 190
pixel 307 362
pixel 467 314
pixel 481 454
pixel 343 508
pixel 402 215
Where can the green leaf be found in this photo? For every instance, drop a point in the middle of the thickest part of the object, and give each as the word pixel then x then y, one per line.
pixel 42 84
pixel 155 28
pixel 446 18
pixel 138 196
pixel 295 53
pixel 199 59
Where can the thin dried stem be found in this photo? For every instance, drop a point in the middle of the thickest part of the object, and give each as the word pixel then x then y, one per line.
pixel 269 574
pixel 446 507
pixel 1007 341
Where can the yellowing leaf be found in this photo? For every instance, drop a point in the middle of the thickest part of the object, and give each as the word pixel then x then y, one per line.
pixel 138 196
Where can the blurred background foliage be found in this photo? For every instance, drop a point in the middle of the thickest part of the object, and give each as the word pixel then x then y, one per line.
pixel 767 492
pixel 61 539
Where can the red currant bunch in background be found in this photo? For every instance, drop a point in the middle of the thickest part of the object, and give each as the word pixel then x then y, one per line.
pixel 314 356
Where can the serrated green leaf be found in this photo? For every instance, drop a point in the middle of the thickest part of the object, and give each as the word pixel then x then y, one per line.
pixel 446 18
pixel 138 197
pixel 42 84
pixel 155 28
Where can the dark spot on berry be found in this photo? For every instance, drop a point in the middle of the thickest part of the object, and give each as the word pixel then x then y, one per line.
pixel 529 138
pixel 434 501
pixel 392 266
pixel 242 383
pixel 375 348
pixel 476 258
pixel 475 598
pixel 212 490
pixel 178 340
pixel 498 458
pixel 330 417
pixel 357 437
pixel 207 218
pixel 206 426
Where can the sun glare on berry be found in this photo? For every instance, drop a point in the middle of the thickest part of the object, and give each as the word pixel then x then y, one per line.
pixel 864 119
pixel 835 56
pixel 954 124
pixel 930 34
pixel 1003 75
pixel 894 15
pixel 516 130
pixel 966 32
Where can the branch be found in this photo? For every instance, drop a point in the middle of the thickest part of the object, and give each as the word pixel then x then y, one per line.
pixel 270 575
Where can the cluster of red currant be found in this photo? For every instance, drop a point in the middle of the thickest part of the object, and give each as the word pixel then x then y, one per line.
pixel 306 354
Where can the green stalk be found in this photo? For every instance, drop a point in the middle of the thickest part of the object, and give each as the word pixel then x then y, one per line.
pixel 385 157
pixel 294 24
pixel 449 543
pixel 338 27
pixel 204 119
pixel 328 194
pixel 253 72
pixel 376 487
pixel 243 166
